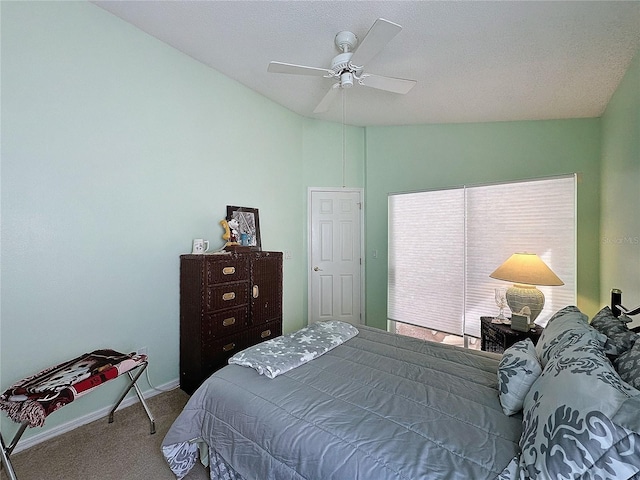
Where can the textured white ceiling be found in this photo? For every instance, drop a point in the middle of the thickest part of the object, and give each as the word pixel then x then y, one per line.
pixel 475 61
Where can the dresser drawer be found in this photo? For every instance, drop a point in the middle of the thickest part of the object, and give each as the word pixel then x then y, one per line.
pixel 265 332
pixel 225 296
pixel 225 269
pixel 221 324
pixel 215 356
pixel 493 340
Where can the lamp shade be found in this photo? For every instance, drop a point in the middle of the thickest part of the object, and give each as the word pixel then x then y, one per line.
pixel 526 268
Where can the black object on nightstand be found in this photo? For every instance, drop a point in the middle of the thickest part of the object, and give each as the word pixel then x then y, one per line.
pixel 497 337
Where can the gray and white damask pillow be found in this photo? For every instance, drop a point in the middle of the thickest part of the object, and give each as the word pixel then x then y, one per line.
pixel 628 366
pixel 517 370
pixel 619 337
pixel 566 328
pixel 580 420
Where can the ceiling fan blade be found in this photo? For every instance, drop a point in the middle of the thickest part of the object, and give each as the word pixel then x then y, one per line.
pixel 279 67
pixel 390 84
pixel 328 99
pixel 375 40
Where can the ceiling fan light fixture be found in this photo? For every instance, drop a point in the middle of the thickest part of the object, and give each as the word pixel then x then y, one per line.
pixel 346 80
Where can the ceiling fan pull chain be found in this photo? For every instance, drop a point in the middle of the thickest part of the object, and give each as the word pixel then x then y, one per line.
pixel 344 138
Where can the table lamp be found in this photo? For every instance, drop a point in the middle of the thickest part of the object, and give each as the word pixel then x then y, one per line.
pixel 526 270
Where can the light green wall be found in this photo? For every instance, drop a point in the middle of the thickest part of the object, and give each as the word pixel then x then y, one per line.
pixel 620 224
pixel 422 157
pixel 323 151
pixel 117 151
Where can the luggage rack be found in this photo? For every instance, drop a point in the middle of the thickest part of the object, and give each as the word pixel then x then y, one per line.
pixel 32 399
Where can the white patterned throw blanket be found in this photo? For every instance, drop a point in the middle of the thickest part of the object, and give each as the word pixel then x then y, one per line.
pixel 279 355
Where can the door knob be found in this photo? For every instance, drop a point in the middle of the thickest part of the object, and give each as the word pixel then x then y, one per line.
pixel 317 269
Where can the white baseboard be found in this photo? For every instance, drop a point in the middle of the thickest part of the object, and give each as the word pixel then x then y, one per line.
pixel 90 417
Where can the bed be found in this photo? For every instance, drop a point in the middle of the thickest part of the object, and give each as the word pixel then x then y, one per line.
pixel 376 405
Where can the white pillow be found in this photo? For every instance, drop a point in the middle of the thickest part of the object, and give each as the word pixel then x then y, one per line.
pixel 517 371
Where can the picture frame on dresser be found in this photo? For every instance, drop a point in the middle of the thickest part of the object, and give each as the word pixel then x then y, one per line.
pixel 249 225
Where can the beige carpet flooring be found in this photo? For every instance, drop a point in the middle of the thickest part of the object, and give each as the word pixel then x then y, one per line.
pixel 122 450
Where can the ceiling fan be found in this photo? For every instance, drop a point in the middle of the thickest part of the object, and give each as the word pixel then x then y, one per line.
pixel 348 65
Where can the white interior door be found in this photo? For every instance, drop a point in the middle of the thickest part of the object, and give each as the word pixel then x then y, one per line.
pixel 335 253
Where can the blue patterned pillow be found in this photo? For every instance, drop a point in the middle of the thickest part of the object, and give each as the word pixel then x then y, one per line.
pixel 518 369
pixel 567 327
pixel 628 366
pixel 580 420
pixel 619 337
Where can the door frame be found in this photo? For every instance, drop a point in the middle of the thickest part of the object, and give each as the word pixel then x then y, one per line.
pixel 360 192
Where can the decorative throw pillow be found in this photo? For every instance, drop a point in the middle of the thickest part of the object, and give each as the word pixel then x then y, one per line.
pixel 518 369
pixel 628 366
pixel 567 327
pixel 580 420
pixel 619 337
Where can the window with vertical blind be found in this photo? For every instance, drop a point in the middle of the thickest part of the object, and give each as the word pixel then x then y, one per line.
pixel 443 244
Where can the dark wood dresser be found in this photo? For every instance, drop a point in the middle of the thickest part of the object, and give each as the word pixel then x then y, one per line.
pixel 497 337
pixel 228 302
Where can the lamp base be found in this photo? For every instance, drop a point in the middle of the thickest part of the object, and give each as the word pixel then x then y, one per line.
pixel 520 296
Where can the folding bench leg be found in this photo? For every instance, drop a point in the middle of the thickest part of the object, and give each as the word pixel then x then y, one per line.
pixel 5 451
pixel 134 385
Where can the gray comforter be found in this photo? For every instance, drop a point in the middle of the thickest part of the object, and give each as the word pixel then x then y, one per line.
pixel 379 406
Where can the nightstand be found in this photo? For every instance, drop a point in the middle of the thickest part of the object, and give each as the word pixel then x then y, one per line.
pixel 496 337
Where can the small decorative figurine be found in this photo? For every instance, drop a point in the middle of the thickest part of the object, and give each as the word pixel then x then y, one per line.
pixel 230 235
pixel 234 225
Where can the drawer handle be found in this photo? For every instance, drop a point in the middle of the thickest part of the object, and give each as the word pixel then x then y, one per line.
pixel 228 296
pixel 228 347
pixel 265 334
pixel 256 291
pixel 228 321
pixel 228 270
